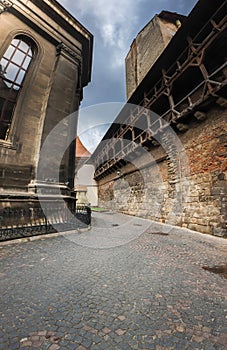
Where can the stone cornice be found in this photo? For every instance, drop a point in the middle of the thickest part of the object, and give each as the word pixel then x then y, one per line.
pixel 65 50
pixel 4 5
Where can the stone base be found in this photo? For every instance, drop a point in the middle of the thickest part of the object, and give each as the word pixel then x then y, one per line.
pixel 39 194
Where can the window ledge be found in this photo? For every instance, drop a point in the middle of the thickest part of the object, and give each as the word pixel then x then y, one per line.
pixel 7 144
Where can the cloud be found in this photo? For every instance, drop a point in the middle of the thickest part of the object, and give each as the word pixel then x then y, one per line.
pixel 113 23
pixel 94 122
pixel 93 136
pixel 111 17
pixel 116 22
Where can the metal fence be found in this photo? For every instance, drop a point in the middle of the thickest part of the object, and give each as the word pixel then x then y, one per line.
pixel 18 223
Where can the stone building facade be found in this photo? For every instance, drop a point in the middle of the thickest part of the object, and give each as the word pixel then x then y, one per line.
pixel 164 157
pixel 45 61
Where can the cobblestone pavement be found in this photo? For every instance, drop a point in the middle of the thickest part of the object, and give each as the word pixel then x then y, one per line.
pixel 145 291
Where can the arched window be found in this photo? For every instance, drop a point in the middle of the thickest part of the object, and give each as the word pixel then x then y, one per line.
pixel 13 67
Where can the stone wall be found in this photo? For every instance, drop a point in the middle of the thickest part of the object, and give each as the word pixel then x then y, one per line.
pixel 185 188
pixel 145 49
pixel 142 54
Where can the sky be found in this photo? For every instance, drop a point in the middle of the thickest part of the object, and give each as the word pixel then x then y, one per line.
pixel 114 24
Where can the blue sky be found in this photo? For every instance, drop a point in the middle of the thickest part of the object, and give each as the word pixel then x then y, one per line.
pixel 114 24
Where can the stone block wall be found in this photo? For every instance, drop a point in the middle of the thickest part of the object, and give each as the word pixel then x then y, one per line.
pixel 191 194
pixel 145 49
pixel 30 108
pixel 142 54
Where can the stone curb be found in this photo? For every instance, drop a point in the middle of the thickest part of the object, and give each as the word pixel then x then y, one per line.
pixel 168 228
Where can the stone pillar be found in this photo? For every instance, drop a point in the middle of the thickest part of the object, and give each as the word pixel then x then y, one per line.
pixel 64 99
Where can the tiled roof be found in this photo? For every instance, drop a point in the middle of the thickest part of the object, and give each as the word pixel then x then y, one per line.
pixel 81 151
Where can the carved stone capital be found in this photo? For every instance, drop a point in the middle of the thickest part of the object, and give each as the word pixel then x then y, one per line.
pixel 4 5
pixel 62 49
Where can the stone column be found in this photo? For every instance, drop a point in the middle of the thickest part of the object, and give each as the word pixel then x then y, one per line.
pixel 64 99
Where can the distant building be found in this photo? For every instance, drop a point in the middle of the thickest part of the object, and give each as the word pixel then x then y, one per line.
pixel 140 168
pixel 85 185
pixel 45 62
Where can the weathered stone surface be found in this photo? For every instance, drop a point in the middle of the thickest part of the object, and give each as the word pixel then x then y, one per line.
pixel 147 47
pixel 198 202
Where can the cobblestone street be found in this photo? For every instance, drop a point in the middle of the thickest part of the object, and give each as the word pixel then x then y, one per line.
pixel 125 284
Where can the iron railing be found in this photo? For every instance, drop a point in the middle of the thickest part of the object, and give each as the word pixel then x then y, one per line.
pixel 18 223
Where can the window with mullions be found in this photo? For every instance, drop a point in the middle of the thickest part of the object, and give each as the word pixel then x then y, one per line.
pixel 13 67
